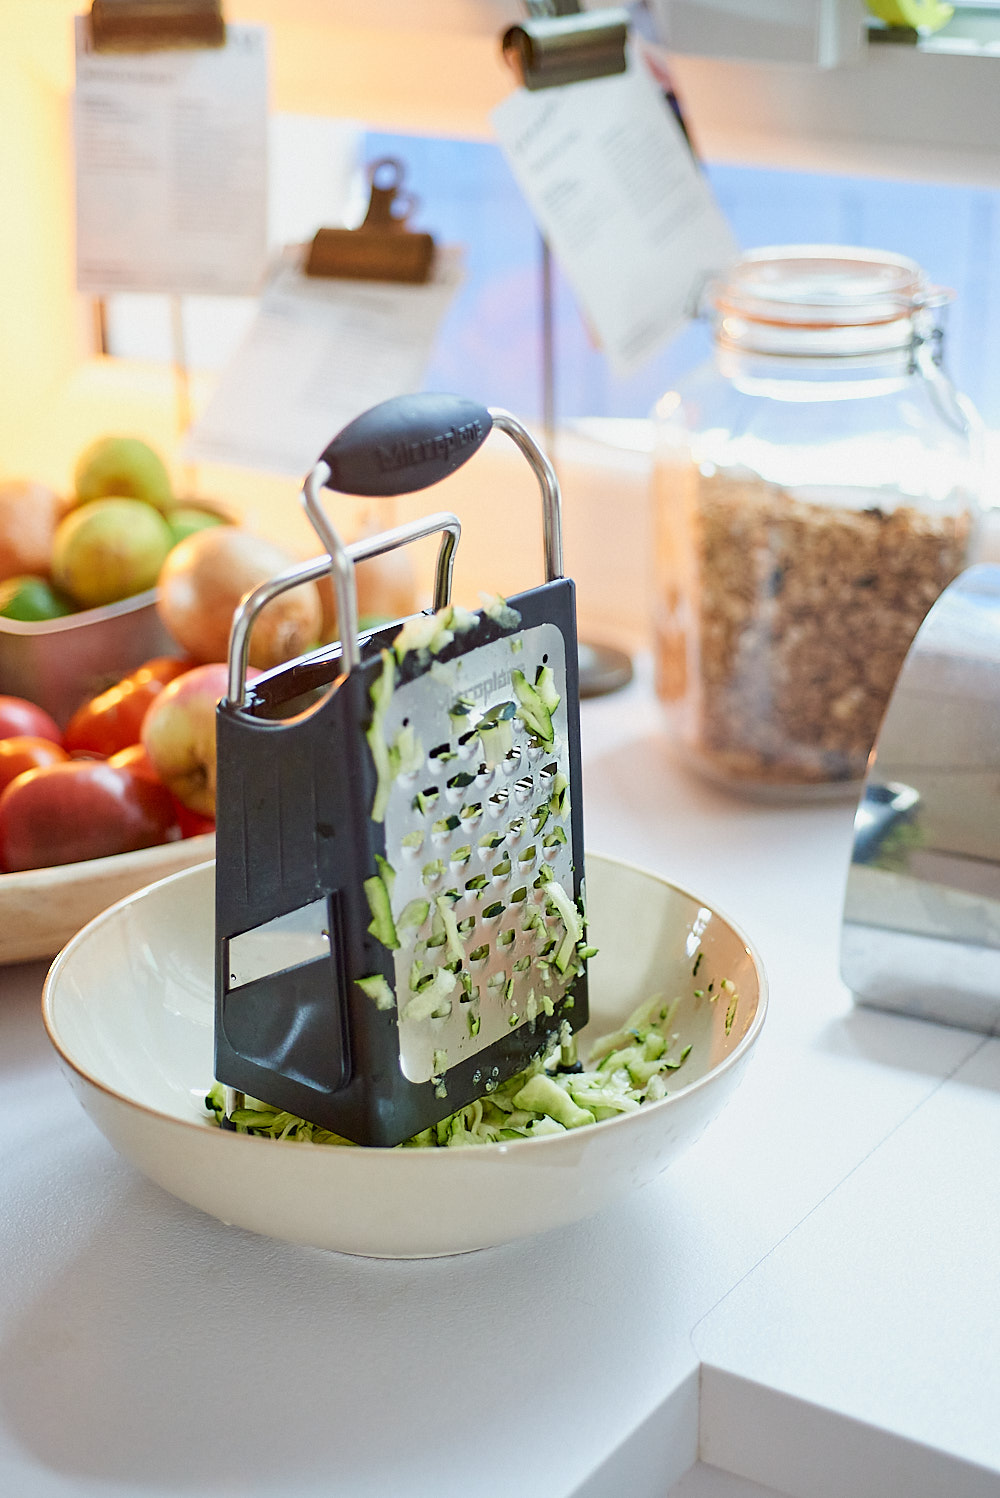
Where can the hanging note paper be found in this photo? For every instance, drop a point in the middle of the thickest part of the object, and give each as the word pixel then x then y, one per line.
pixel 319 353
pixel 171 167
pixel 613 187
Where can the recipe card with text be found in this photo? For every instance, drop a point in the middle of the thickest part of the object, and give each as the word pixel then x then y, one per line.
pixel 614 188
pixel 171 166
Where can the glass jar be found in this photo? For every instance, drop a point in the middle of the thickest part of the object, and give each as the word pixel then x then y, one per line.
pixel 815 488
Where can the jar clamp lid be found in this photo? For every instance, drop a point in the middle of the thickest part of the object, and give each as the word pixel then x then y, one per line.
pixel 823 300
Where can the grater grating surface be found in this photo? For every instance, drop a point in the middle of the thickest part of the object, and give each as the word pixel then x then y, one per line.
pixel 470 834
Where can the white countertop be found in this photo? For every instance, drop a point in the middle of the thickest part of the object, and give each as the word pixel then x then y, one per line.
pixel 809 1300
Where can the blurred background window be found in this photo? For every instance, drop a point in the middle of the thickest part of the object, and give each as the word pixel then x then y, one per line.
pixel 488 346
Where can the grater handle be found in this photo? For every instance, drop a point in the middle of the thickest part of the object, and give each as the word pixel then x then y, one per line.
pixel 405 444
pixel 308 572
pixel 412 441
pixel 547 483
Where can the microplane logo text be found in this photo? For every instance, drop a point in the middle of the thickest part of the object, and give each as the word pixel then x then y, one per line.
pixel 403 454
pixel 482 691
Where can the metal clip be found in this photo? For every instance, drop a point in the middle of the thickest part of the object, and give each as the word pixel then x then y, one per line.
pixel 138 26
pixel 550 50
pixel 383 247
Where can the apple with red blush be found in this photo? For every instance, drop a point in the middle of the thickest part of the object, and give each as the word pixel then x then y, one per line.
pixel 178 734
pixel 20 718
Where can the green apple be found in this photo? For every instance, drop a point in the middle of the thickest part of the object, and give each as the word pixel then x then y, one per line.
pixel 123 467
pixel 109 549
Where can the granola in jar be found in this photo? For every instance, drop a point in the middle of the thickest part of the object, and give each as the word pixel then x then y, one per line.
pixel 794 623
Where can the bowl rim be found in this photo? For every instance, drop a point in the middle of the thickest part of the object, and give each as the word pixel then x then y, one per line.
pixel 53 875
pixel 134 603
pixel 356 1152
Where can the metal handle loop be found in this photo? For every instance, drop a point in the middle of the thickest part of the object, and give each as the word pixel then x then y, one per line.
pixel 340 562
pixel 547 483
pixel 341 558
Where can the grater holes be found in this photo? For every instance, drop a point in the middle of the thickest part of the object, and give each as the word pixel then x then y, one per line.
pixel 443 827
pixel 412 843
pixel 456 785
pixel 497 803
pixel 511 760
pixel 509 846
pixel 552 843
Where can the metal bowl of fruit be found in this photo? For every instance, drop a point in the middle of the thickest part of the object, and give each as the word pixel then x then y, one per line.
pixel 61 662
pixel 78 575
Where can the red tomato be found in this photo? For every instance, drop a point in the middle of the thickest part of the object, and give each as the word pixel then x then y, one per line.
pixel 80 810
pixel 20 718
pixel 192 823
pixel 24 752
pixel 112 721
pixel 136 759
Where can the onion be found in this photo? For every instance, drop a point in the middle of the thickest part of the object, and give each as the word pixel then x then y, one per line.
pixel 202 581
pixel 29 514
pixel 387 589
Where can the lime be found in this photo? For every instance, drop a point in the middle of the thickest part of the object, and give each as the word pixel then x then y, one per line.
pixel 186 519
pixel 32 599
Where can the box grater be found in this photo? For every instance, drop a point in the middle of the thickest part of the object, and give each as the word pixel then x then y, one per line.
pixel 399 835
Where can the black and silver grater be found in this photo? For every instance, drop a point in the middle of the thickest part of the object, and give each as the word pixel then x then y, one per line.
pixel 399 837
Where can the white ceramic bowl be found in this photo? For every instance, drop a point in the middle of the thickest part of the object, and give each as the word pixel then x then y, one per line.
pixel 129 1007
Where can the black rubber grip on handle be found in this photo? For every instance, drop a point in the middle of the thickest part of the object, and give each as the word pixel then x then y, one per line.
pixel 405 444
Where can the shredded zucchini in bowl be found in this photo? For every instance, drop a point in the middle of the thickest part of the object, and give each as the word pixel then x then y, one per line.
pixel 625 1069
